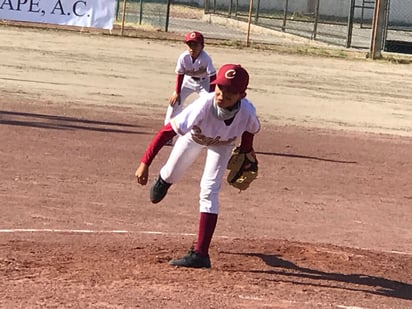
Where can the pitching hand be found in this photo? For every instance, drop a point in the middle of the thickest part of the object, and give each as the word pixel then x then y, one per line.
pixel 174 98
pixel 142 174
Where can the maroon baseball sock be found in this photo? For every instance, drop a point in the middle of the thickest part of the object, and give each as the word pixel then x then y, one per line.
pixel 207 224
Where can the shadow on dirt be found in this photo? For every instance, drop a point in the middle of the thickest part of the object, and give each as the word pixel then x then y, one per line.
pixel 381 286
pixel 62 122
pixel 278 154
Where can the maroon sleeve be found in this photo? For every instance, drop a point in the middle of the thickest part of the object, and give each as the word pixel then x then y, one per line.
pixel 246 143
pixel 158 141
pixel 212 87
pixel 179 82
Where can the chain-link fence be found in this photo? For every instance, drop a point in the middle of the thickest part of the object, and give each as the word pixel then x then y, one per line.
pixel 339 22
pixel 150 13
pixel 345 23
pixel 399 26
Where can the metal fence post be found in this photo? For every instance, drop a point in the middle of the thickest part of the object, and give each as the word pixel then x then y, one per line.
pixel 350 23
pixel 315 24
pixel 257 11
pixel 378 28
pixel 123 17
pixel 249 22
pixel 167 15
pixel 117 9
pixel 285 15
pixel 140 12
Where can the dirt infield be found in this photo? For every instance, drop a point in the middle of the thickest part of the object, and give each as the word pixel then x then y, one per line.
pixel 326 224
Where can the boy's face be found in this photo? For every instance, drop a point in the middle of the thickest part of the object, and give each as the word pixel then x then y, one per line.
pixel 226 99
pixel 194 48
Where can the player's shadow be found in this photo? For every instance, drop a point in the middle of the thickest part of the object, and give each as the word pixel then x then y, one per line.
pixel 284 268
pixel 278 154
pixel 45 121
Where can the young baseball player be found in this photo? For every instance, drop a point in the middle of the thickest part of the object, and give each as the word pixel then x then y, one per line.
pixel 214 122
pixel 195 72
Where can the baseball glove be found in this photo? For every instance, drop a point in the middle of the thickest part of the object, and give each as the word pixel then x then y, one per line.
pixel 243 169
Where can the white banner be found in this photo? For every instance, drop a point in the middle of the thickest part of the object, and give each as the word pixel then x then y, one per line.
pixel 83 13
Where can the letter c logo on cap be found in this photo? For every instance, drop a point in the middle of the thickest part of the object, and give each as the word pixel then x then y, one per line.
pixel 230 74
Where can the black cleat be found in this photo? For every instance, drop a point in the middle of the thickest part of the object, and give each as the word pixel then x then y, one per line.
pixel 193 260
pixel 159 190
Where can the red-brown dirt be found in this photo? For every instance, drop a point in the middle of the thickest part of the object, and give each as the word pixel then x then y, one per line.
pixel 326 224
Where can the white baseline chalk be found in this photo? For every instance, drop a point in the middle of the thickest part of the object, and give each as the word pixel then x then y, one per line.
pixel 74 231
pixel 69 231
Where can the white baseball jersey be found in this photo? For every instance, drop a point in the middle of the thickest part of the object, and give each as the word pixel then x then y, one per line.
pixel 206 129
pixel 202 67
pixel 198 127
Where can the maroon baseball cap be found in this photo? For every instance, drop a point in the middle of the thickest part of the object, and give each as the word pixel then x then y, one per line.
pixel 194 36
pixel 232 76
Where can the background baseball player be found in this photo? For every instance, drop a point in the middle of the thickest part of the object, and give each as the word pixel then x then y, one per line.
pixel 214 122
pixel 195 72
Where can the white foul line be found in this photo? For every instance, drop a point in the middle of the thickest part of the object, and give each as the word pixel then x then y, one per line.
pixel 350 307
pixel 60 231
pixel 69 231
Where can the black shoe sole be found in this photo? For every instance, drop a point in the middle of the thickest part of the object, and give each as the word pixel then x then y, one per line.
pixel 159 190
pixel 192 260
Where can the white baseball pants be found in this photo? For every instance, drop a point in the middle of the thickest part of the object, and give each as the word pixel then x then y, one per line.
pixel 182 157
